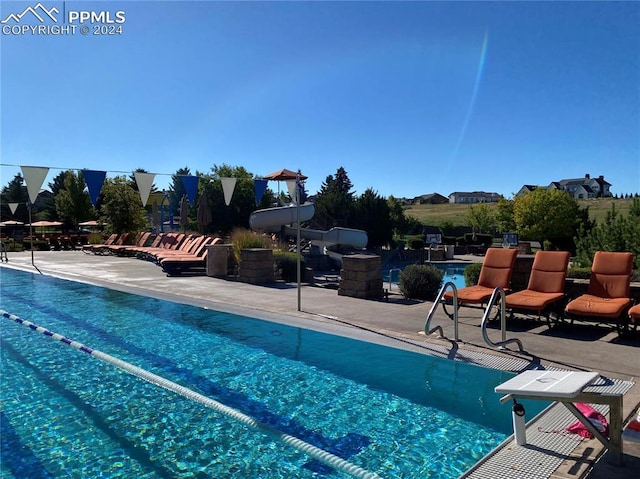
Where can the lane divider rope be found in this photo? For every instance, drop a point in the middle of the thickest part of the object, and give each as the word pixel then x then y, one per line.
pixel 321 455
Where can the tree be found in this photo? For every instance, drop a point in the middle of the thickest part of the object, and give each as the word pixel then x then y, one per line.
pixel 481 217
pixel 243 203
pixel 121 207
pixel 616 233
pixel 14 192
pixel 177 189
pixel 334 203
pixel 504 216
pixel 73 204
pixel 374 216
pixel 546 215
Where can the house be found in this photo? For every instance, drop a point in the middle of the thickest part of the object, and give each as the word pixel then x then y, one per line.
pixel 474 197
pixel 430 199
pixel 578 188
pixel 586 187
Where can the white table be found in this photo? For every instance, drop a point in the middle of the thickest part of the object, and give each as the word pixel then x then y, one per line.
pixel 567 388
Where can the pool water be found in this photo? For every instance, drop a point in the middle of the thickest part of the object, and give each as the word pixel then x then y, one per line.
pixel 453 272
pixel 65 414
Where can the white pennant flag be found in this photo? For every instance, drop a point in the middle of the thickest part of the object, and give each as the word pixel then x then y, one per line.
pixel 291 186
pixel 13 207
pixel 145 183
pixel 228 185
pixel 34 177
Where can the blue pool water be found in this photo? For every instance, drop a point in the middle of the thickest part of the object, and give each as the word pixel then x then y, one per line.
pixel 453 272
pixel 65 414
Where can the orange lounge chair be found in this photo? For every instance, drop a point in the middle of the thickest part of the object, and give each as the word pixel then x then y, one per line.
pixel 178 264
pixel 607 298
pixel 91 248
pixel 496 271
pixel 168 242
pixel 188 247
pixel 140 240
pixel 545 291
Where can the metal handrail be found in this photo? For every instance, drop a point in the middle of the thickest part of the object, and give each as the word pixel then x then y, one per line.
pixel 498 293
pixel 432 311
pixel 391 275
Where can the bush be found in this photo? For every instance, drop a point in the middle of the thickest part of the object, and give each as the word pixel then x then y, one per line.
pixel 243 239
pixel 420 282
pixel 472 274
pixel 287 264
pixel 579 272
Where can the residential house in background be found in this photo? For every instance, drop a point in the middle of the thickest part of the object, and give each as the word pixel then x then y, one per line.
pixel 579 188
pixel 474 197
pixel 430 199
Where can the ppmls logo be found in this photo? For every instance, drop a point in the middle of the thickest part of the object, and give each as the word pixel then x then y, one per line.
pixel 39 20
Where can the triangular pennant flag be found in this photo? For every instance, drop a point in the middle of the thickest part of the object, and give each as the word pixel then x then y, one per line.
pixel 145 183
pixel 94 180
pixel 190 184
pixel 34 177
pixel 291 186
pixel 13 207
pixel 228 185
pixel 260 187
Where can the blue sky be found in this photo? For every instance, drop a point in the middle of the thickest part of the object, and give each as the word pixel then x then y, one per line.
pixel 409 97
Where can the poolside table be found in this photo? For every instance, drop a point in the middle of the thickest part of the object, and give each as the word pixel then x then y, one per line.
pixel 569 387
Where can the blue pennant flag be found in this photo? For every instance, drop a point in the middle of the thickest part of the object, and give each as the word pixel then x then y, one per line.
pixel 190 184
pixel 94 180
pixel 260 187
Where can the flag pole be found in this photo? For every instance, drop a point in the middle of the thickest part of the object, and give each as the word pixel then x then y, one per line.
pixel 298 234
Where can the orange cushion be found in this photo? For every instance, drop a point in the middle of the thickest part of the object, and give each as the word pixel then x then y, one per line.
pixel 610 274
pixel 549 271
pixel 590 305
pixel 471 294
pixel 531 300
pixel 634 313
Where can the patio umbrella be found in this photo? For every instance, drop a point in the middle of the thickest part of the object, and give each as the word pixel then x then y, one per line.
pixel 91 223
pixel 284 175
pixel 184 212
pixel 204 216
pixel 11 223
pixel 45 224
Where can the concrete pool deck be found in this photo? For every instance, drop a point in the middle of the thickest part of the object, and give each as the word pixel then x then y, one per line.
pixel 580 347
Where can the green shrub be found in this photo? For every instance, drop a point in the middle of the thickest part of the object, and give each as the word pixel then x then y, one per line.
pixel 579 272
pixel 420 282
pixel 287 264
pixel 244 239
pixel 472 273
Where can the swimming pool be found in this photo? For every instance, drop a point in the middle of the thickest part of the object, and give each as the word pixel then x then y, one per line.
pixel 390 411
pixel 453 272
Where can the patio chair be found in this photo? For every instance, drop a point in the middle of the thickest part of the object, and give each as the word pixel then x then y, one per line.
pixel 496 271
pixel 93 248
pixel 545 291
pixel 607 297
pixel 140 240
pixel 180 263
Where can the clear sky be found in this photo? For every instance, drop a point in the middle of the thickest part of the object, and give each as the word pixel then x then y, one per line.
pixel 409 97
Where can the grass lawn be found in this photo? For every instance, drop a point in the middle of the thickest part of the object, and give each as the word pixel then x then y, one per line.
pixel 456 214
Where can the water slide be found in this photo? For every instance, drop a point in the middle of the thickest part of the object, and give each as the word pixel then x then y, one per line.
pixel 272 220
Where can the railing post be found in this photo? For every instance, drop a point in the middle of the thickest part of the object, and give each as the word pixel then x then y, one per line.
pixel 432 311
pixel 498 293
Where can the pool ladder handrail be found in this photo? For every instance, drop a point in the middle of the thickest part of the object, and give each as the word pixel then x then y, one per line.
pixel 399 270
pixel 432 311
pixel 498 293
